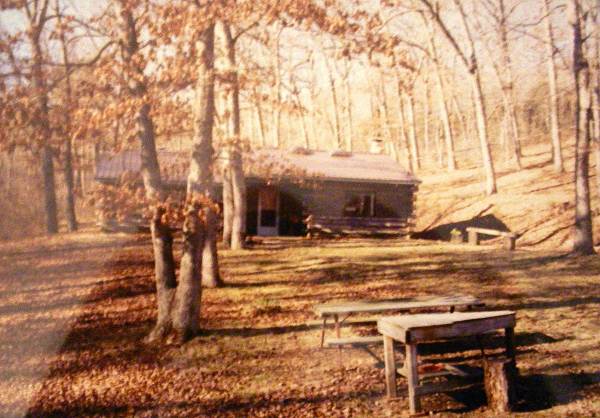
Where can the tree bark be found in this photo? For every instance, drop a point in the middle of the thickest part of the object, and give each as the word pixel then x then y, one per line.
pixel 441 96
pixel 68 163
pixel 583 239
pixel 412 130
pixel 43 118
pixel 469 60
pixel 508 84
pixel 238 179
pixel 200 177
pixel 162 239
pixel 228 203
pixel 334 102
pixel 188 295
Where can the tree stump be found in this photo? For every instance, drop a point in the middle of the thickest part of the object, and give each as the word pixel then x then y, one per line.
pixel 500 376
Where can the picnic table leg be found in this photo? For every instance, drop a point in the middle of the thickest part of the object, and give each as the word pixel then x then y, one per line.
pixel 412 374
pixel 390 367
pixel 509 336
pixel 337 325
pixel 323 331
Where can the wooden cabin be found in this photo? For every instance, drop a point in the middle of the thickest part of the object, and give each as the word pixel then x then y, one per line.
pixel 299 191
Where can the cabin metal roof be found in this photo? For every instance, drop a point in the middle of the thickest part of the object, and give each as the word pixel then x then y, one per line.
pixel 322 165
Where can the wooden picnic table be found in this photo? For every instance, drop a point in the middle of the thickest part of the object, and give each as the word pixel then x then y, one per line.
pixel 414 329
pixel 341 311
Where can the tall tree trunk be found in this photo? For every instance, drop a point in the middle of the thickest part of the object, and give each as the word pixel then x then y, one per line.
pixel 481 118
pixel 277 112
pixel 200 178
pixel 43 122
pixel 238 179
pixel 426 140
pixel 583 239
pixel 162 240
pixel 596 88
pixel 68 162
pixel 228 203
pixel 348 97
pixel 334 103
pixel 412 130
pixel 508 85
pixel 261 123
pixel 441 97
pixel 469 60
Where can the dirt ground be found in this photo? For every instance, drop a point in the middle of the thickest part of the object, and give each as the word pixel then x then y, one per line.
pixel 74 309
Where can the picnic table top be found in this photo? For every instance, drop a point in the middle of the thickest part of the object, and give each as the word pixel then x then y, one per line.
pixel 336 308
pixel 427 327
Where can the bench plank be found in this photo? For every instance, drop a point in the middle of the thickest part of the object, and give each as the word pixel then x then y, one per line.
pixel 341 308
pixel 354 341
pixel 492 232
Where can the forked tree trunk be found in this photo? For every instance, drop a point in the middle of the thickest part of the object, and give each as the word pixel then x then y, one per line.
pixel 162 239
pixel 583 239
pixel 234 160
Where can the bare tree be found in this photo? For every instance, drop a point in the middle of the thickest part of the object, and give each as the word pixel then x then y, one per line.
pixel 469 60
pixel 441 97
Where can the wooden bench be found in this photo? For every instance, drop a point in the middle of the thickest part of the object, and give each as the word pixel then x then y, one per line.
pixel 340 312
pixel 414 329
pixel 342 225
pixel 510 238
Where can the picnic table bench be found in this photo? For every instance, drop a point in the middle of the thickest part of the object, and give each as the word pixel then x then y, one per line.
pixel 414 329
pixel 354 225
pixel 341 311
pixel 510 238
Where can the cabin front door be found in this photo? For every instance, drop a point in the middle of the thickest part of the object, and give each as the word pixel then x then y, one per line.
pixel 268 211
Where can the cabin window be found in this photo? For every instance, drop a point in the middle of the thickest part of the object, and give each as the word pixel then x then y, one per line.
pixel 360 205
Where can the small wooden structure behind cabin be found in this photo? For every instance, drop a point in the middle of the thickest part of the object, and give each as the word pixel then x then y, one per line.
pixel 299 191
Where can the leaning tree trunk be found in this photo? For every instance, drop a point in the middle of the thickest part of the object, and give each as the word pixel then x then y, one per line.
pixel 583 239
pixel 553 99
pixel 480 115
pixel 441 97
